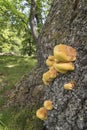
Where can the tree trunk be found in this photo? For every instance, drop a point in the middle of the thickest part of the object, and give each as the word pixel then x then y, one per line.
pixel 66 23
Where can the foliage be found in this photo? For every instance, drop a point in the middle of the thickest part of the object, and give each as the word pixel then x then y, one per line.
pixel 10 42
pixel 28 44
pixel 15 33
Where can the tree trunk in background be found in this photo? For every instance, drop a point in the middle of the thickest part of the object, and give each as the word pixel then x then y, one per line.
pixel 66 23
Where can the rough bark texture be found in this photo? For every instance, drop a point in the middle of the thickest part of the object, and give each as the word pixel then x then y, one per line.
pixel 66 23
pixel 27 90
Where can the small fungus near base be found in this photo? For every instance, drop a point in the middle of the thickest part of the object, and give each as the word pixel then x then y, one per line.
pixel 48 104
pixel 42 113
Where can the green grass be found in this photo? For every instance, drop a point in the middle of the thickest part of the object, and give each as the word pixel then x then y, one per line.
pixel 12 68
pixel 19 119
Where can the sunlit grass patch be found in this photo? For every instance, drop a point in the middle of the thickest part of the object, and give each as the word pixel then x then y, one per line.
pixel 11 65
pixel 12 68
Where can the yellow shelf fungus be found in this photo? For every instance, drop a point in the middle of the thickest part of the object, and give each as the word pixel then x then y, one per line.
pixel 42 113
pixel 51 58
pixel 59 70
pixel 48 104
pixel 49 75
pixel 61 62
pixel 69 86
pixel 46 78
pixel 50 61
pixel 53 72
pixel 64 66
pixel 64 53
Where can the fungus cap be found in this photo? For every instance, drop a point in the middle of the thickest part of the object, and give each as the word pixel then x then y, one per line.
pixel 52 58
pixel 50 62
pixel 69 86
pixel 48 104
pixel 53 72
pixel 49 75
pixel 64 66
pixel 46 78
pixel 45 82
pixel 64 53
pixel 46 75
pixel 41 113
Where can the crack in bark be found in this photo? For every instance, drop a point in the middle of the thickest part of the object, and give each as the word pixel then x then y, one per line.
pixel 74 13
pixel 75 5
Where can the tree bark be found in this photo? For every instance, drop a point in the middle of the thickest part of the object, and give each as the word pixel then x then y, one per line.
pixel 66 23
pixel 32 20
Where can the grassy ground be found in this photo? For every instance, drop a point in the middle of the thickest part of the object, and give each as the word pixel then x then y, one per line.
pixel 12 68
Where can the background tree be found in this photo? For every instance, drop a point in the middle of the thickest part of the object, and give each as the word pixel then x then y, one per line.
pixel 15 19
pixel 12 25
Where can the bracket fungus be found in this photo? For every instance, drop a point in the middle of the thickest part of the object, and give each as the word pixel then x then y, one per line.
pixel 42 113
pixel 53 72
pixel 69 86
pixel 60 71
pixel 49 75
pixel 64 53
pixel 46 78
pixel 50 61
pixel 48 104
pixel 64 66
pixel 60 62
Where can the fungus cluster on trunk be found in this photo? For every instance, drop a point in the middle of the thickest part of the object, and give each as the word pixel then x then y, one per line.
pixel 60 62
pixel 41 113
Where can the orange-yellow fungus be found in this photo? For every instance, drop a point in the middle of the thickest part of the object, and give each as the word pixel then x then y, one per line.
pixel 48 105
pixel 64 53
pixel 64 66
pixel 69 86
pixel 42 113
pixel 50 61
pixel 49 75
pixel 51 58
